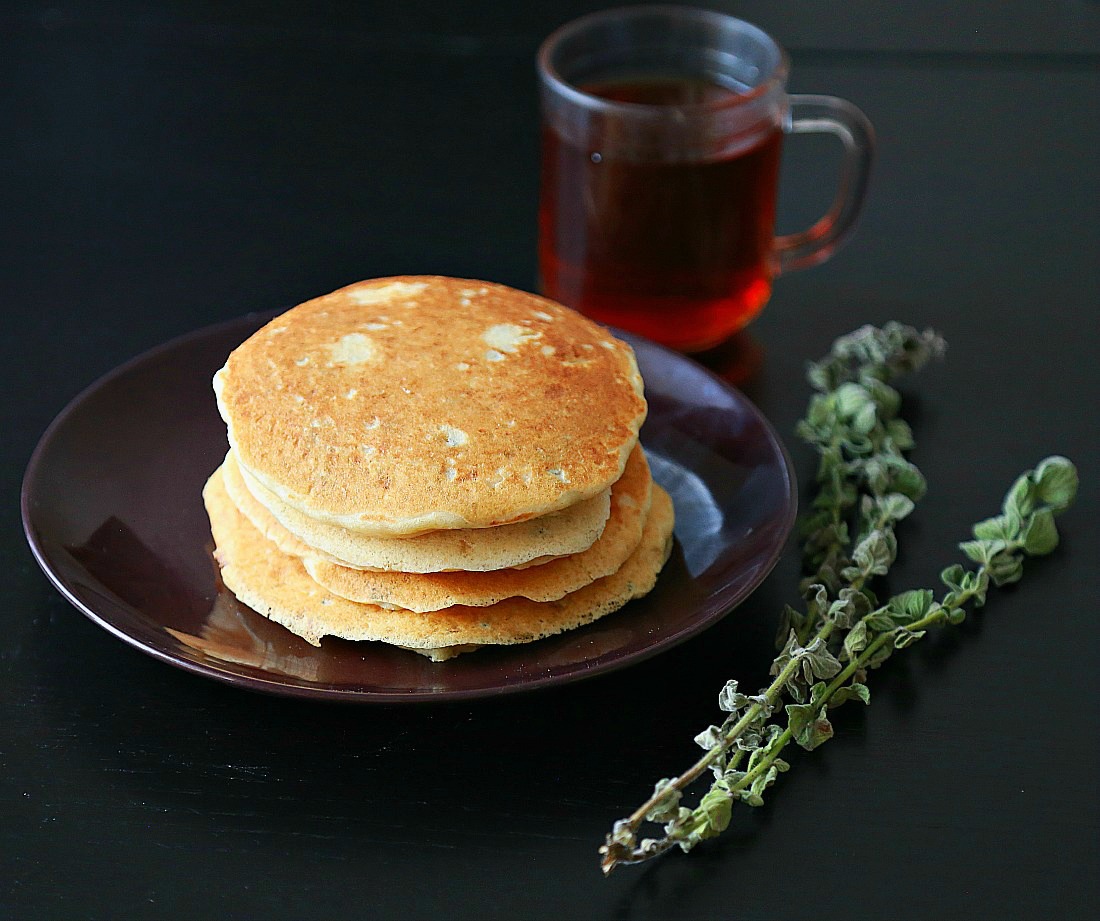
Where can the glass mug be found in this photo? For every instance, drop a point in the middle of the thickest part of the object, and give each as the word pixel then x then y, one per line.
pixel 661 136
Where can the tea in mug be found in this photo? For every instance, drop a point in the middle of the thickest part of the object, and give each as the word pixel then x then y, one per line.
pixel 678 249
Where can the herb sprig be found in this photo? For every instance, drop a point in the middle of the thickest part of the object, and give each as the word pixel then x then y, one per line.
pixel 866 485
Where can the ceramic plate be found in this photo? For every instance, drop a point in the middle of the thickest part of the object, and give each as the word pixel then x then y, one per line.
pixel 113 513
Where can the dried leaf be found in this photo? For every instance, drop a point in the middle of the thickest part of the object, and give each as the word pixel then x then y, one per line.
pixel 854 691
pixel 1041 534
pixel 1056 482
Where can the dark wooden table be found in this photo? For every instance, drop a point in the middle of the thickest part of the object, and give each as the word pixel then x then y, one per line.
pixel 168 165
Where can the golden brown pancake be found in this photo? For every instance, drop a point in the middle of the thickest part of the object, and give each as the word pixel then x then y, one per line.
pixel 630 502
pixel 571 530
pixel 277 586
pixel 403 405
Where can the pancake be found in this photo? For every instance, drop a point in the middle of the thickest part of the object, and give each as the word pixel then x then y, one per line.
pixel 232 632
pixel 277 586
pixel 403 405
pixel 630 502
pixel 571 530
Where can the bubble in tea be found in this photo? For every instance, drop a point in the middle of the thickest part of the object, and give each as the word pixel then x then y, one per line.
pixel 679 249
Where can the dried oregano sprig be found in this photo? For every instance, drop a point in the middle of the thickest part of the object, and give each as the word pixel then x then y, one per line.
pixel 827 650
pixel 852 422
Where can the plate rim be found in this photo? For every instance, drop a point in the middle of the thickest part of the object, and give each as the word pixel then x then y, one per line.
pixel 725 600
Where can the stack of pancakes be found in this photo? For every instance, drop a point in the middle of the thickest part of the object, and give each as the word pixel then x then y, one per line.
pixel 437 464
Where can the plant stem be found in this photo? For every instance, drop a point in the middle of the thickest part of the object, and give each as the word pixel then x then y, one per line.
pixel 936 617
pixel 771 693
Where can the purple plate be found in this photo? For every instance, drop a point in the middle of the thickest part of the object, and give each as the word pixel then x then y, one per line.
pixel 113 513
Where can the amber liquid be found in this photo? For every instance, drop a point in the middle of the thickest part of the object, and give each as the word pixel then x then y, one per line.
pixel 681 252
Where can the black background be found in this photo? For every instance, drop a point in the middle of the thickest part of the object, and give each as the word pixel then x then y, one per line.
pixel 168 165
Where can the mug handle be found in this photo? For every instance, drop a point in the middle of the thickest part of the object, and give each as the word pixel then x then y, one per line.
pixel 828 114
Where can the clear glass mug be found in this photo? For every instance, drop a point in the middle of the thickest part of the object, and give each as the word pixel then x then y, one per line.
pixel 661 136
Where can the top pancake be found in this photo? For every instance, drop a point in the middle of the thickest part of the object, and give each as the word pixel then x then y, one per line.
pixel 403 405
